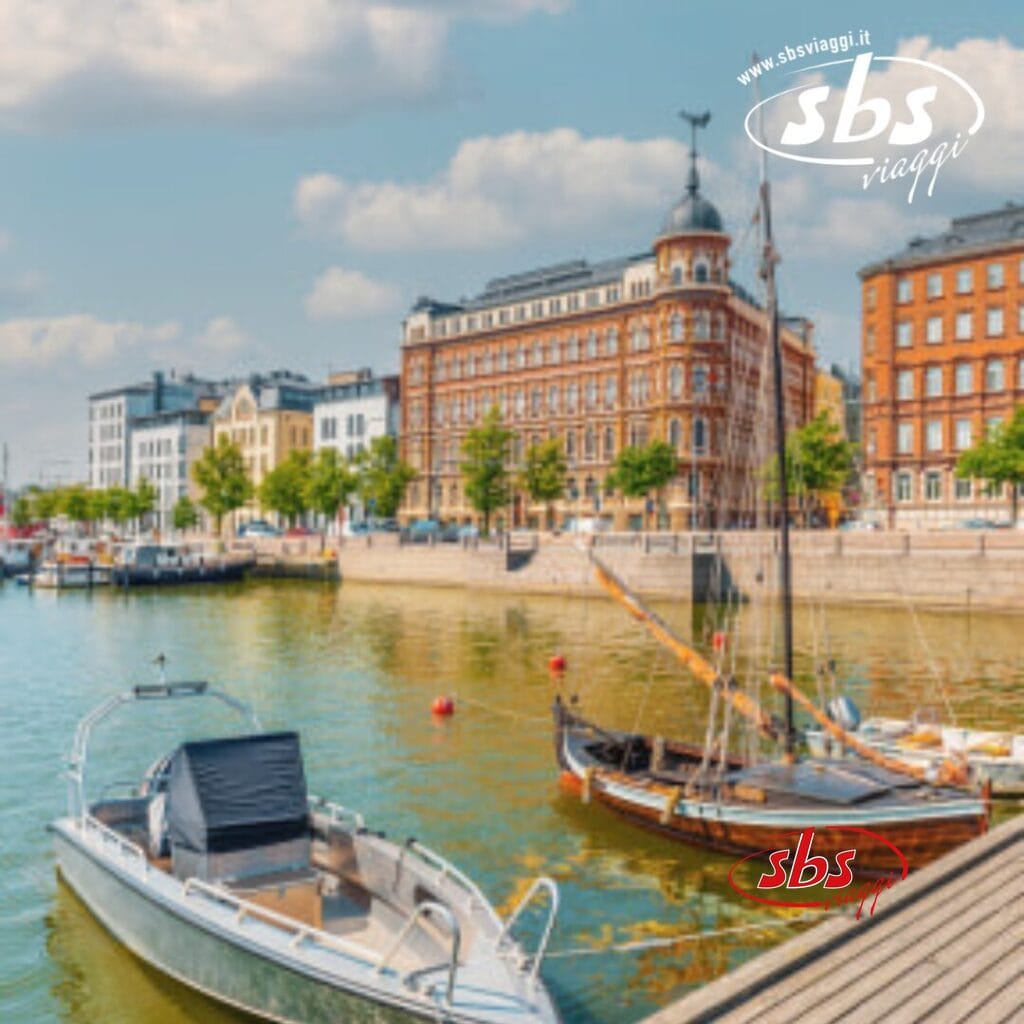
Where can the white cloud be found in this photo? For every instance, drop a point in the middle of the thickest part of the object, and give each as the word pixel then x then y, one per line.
pixel 498 189
pixel 343 294
pixel 221 335
pixel 69 61
pixel 81 337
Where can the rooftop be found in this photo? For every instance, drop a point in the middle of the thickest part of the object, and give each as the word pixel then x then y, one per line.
pixel 992 229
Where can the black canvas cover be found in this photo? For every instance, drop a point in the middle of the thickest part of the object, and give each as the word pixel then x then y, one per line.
pixel 237 793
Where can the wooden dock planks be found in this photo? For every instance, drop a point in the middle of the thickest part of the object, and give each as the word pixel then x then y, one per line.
pixel 945 946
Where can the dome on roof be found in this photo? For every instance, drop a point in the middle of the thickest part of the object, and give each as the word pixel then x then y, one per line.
pixel 692 213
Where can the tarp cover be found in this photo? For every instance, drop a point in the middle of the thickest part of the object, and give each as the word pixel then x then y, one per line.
pixel 236 793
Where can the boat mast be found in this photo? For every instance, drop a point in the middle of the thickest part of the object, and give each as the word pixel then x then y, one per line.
pixel 769 257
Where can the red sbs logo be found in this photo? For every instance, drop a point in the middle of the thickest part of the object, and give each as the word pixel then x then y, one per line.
pixel 795 868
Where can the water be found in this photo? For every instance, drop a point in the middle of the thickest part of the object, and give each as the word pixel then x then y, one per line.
pixel 355 669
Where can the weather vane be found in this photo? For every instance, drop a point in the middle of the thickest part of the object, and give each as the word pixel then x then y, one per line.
pixel 695 121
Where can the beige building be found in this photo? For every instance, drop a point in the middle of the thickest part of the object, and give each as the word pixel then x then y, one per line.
pixel 267 417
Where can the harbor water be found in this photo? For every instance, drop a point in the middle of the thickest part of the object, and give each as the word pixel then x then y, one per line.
pixel 355 668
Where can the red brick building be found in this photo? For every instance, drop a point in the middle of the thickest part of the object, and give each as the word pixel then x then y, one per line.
pixel 943 362
pixel 662 344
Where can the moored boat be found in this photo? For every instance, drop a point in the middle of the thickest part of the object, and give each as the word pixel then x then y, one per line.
pixel 70 575
pixel 172 564
pixel 220 871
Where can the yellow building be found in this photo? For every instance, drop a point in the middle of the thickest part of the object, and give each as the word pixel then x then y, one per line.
pixel 828 397
pixel 268 417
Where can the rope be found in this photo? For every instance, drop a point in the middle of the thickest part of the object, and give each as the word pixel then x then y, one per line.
pixel 509 712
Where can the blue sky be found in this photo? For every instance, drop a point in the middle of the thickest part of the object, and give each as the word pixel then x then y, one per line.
pixel 179 176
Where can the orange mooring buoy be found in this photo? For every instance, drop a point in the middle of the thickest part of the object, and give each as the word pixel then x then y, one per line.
pixel 556 663
pixel 443 706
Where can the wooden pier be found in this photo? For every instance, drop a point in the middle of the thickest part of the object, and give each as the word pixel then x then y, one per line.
pixel 944 946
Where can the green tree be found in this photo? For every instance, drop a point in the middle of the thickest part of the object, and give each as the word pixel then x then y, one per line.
pixel 220 472
pixel 142 501
pixel 75 503
pixel 818 461
pixel 45 503
pixel 329 484
pixel 120 505
pixel 999 458
pixel 543 474
pixel 382 477
pixel 21 511
pixel 285 489
pixel 485 452
pixel 185 515
pixel 637 472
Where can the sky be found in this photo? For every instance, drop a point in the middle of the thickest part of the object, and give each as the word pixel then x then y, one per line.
pixel 225 188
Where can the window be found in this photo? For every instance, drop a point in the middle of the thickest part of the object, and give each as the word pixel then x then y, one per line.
pixel 994 321
pixel 589 444
pixel 964 281
pixel 554 352
pixel 905 438
pixel 502 360
pixel 869 339
pixel 571 397
pixel 963 434
pixel 992 425
pixel 870 297
pixel 701 325
pixel 933 382
pixel 904 487
pixel 677 276
pixel 964 378
pixel 700 380
pixel 933 435
pixel 521 356
pixel 934 286
pixel 519 406
pixel 572 349
pixel 994 380
pixel 609 443
pixel 537 354
pixel 611 342
pixel 872 441
pixel 553 398
pixel 994 277
pixel 700 271
pixel 611 294
pixel 675 327
pixel 592 344
pixel 700 435
pixel 611 392
pixel 904 334
pixel 932 485
pixel 1020 318
pixel 905 384
pixel 962 489
pixel 570 446
pixel 964 326
pixel 590 392
pixel 904 290
pixel 536 401
pixel 675 433
pixel 675 382
pixel 934 330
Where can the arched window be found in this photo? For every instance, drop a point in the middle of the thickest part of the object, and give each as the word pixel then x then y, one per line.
pixel 675 382
pixel 700 270
pixel 589 443
pixel 700 430
pixel 701 325
pixel 675 327
pixel 677 276
pixel 675 433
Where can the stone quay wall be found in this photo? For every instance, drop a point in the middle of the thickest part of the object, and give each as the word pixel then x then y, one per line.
pixel 959 569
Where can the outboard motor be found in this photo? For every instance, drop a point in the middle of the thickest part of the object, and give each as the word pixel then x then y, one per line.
pixel 844 713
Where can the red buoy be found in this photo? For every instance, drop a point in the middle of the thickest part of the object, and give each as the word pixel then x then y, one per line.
pixel 719 641
pixel 556 663
pixel 443 706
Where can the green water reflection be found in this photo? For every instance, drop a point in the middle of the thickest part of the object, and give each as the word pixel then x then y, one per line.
pixel 354 669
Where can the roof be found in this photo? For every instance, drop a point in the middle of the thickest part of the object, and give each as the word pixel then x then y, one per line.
pixel 693 213
pixel 979 231
pixel 187 417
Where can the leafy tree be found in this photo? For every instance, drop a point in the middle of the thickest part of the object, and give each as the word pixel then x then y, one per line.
pixel 485 453
pixel 75 503
pixel 818 460
pixel 543 473
pixel 21 511
pixel 220 472
pixel 329 484
pixel 185 515
pixel 383 477
pixel 99 505
pixel 639 471
pixel 45 503
pixel 143 500
pixel 121 505
pixel 285 488
pixel 999 458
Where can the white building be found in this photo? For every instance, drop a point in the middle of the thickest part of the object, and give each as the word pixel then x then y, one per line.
pixel 164 446
pixel 352 410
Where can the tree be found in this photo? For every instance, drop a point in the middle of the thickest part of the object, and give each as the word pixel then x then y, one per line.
pixel 383 477
pixel 142 500
pixel 485 453
pixel 639 471
pixel 543 474
pixel 120 504
pixel 285 488
pixel 220 472
pixel 999 458
pixel 75 503
pixel 818 460
pixel 21 512
pixel 45 504
pixel 185 515
pixel 329 484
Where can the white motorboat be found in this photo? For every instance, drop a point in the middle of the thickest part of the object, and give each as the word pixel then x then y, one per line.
pixel 61 575
pixel 220 871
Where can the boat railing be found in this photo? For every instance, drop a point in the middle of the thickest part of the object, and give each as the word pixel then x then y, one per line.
pixel 301 933
pixel 448 870
pixel 336 813
pixel 421 910
pixel 540 884
pixel 124 844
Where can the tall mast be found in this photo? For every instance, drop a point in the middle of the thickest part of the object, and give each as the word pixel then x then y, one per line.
pixel 769 258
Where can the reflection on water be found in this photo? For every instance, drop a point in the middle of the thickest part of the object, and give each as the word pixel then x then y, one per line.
pixel 354 669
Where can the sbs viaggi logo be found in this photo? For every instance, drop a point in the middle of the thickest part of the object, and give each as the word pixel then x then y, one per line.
pixel 898 118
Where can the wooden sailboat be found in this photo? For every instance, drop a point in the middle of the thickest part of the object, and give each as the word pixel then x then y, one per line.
pixel 727 803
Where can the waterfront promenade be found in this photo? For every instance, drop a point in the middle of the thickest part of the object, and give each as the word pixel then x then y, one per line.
pixel 956 569
pixel 945 946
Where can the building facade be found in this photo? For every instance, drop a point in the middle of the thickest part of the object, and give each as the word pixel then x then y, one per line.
pixel 165 446
pixel 662 345
pixel 267 417
pixel 353 409
pixel 943 363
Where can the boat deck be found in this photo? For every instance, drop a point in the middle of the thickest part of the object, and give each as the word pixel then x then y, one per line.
pixel 945 946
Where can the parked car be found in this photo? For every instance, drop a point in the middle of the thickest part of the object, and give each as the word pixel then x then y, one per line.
pixel 587 524
pixel 469 531
pixel 983 524
pixel 299 531
pixel 258 528
pixel 422 531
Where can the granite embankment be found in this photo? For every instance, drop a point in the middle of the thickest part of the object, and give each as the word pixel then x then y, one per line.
pixel 961 569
